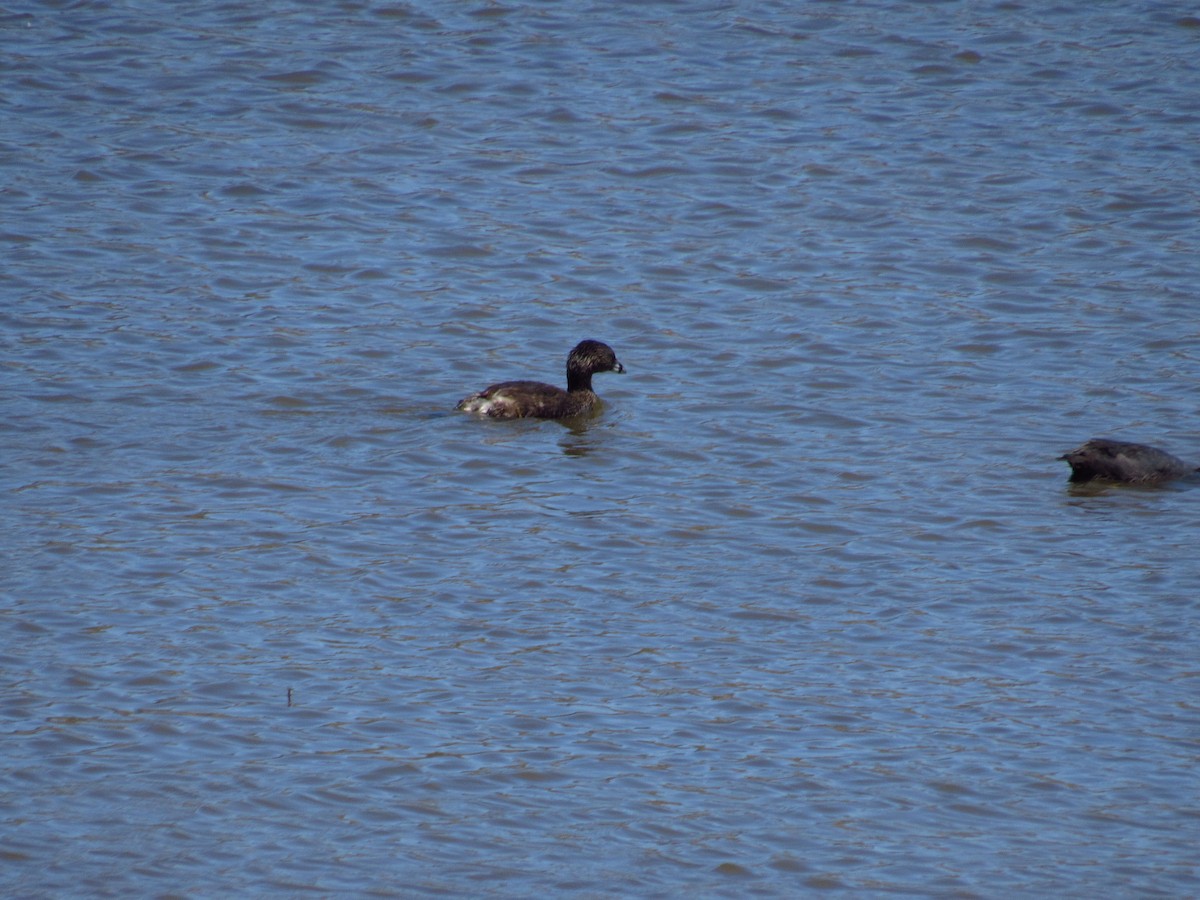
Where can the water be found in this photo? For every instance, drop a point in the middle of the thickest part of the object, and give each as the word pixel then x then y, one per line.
pixel 808 608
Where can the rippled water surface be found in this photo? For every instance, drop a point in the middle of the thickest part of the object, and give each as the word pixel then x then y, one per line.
pixel 809 607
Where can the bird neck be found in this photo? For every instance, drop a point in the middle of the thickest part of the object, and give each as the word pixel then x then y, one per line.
pixel 578 381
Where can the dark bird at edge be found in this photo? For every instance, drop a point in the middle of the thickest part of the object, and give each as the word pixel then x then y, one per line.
pixel 1124 462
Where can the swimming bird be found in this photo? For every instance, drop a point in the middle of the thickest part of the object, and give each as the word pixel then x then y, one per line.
pixel 535 399
pixel 1125 462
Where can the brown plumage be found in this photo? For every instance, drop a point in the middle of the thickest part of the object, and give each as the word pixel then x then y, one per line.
pixel 535 399
pixel 1124 462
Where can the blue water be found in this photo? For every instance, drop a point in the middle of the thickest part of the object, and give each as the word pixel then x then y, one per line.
pixel 809 607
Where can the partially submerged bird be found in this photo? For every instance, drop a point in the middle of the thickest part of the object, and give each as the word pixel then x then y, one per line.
pixel 534 399
pixel 1124 462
